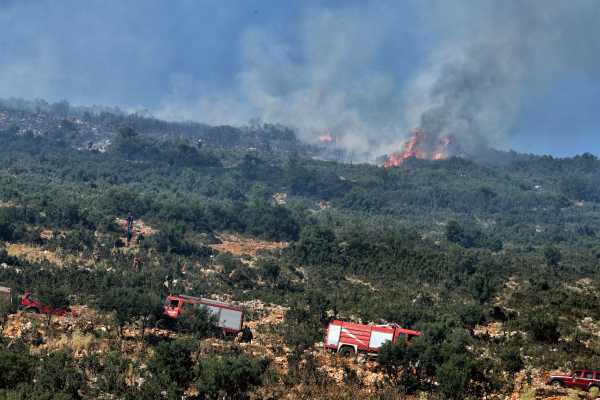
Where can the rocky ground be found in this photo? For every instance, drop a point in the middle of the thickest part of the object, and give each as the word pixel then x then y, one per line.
pixel 139 227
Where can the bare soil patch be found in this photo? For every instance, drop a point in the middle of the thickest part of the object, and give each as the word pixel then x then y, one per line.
pixel 237 245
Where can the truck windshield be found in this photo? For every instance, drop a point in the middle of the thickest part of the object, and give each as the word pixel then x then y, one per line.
pixel 172 303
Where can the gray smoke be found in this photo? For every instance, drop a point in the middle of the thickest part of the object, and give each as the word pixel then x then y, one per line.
pixel 480 80
pixel 345 72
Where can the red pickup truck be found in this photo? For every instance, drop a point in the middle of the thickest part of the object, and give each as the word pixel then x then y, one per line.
pixel 31 304
pixel 580 379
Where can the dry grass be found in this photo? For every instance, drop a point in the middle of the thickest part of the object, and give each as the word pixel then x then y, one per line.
pixel 81 341
pixel 31 253
pixel 59 342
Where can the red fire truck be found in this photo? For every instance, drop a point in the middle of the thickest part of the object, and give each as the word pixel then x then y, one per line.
pixel 349 339
pixel 230 317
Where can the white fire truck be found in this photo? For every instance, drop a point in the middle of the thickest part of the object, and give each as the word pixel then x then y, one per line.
pixel 349 339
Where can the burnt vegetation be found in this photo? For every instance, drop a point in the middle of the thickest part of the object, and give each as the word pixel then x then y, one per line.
pixel 441 247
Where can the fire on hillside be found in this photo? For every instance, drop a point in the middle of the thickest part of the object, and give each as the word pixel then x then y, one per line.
pixel 327 138
pixel 416 147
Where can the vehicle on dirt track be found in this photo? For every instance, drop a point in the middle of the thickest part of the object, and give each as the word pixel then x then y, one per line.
pixel 31 304
pixel 580 379
pixel 349 339
pixel 230 317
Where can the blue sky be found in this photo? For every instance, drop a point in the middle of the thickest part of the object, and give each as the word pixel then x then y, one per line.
pixel 504 74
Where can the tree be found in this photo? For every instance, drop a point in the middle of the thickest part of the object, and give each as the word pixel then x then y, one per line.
pixel 552 254
pixel 59 373
pixel 359 199
pixel 54 299
pixel 471 315
pixel 6 308
pixel 304 323
pixel 294 159
pixel 260 191
pixel 543 328
pixel 223 136
pixel 397 361
pixel 125 131
pixel 61 109
pixel 14 369
pixel 228 262
pixel 480 288
pixel 129 307
pixel 13 128
pixel 512 361
pixel 269 269
pixel 112 374
pixel 453 232
pixel 231 378
pixel 173 359
pixel 455 375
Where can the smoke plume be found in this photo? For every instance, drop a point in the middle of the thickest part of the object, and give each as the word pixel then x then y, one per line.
pixel 495 59
pixel 339 74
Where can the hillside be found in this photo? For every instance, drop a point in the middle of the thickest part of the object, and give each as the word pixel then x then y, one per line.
pixel 483 258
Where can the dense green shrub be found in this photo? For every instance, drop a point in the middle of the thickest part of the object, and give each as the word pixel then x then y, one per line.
pixel 231 378
pixel 173 359
pixel 6 308
pixel 14 370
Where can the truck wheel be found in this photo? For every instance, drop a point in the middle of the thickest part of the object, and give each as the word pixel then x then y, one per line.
pixel 347 352
pixel 162 324
pixel 32 310
pixel 556 384
pixel 217 335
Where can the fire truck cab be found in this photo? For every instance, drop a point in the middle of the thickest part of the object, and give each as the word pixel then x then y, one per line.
pixel 349 339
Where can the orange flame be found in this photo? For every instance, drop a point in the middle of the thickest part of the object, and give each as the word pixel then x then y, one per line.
pixel 414 148
pixel 328 138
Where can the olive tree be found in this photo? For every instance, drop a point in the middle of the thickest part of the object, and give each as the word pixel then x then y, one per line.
pixel 130 307
pixel 53 300
pixel 6 308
